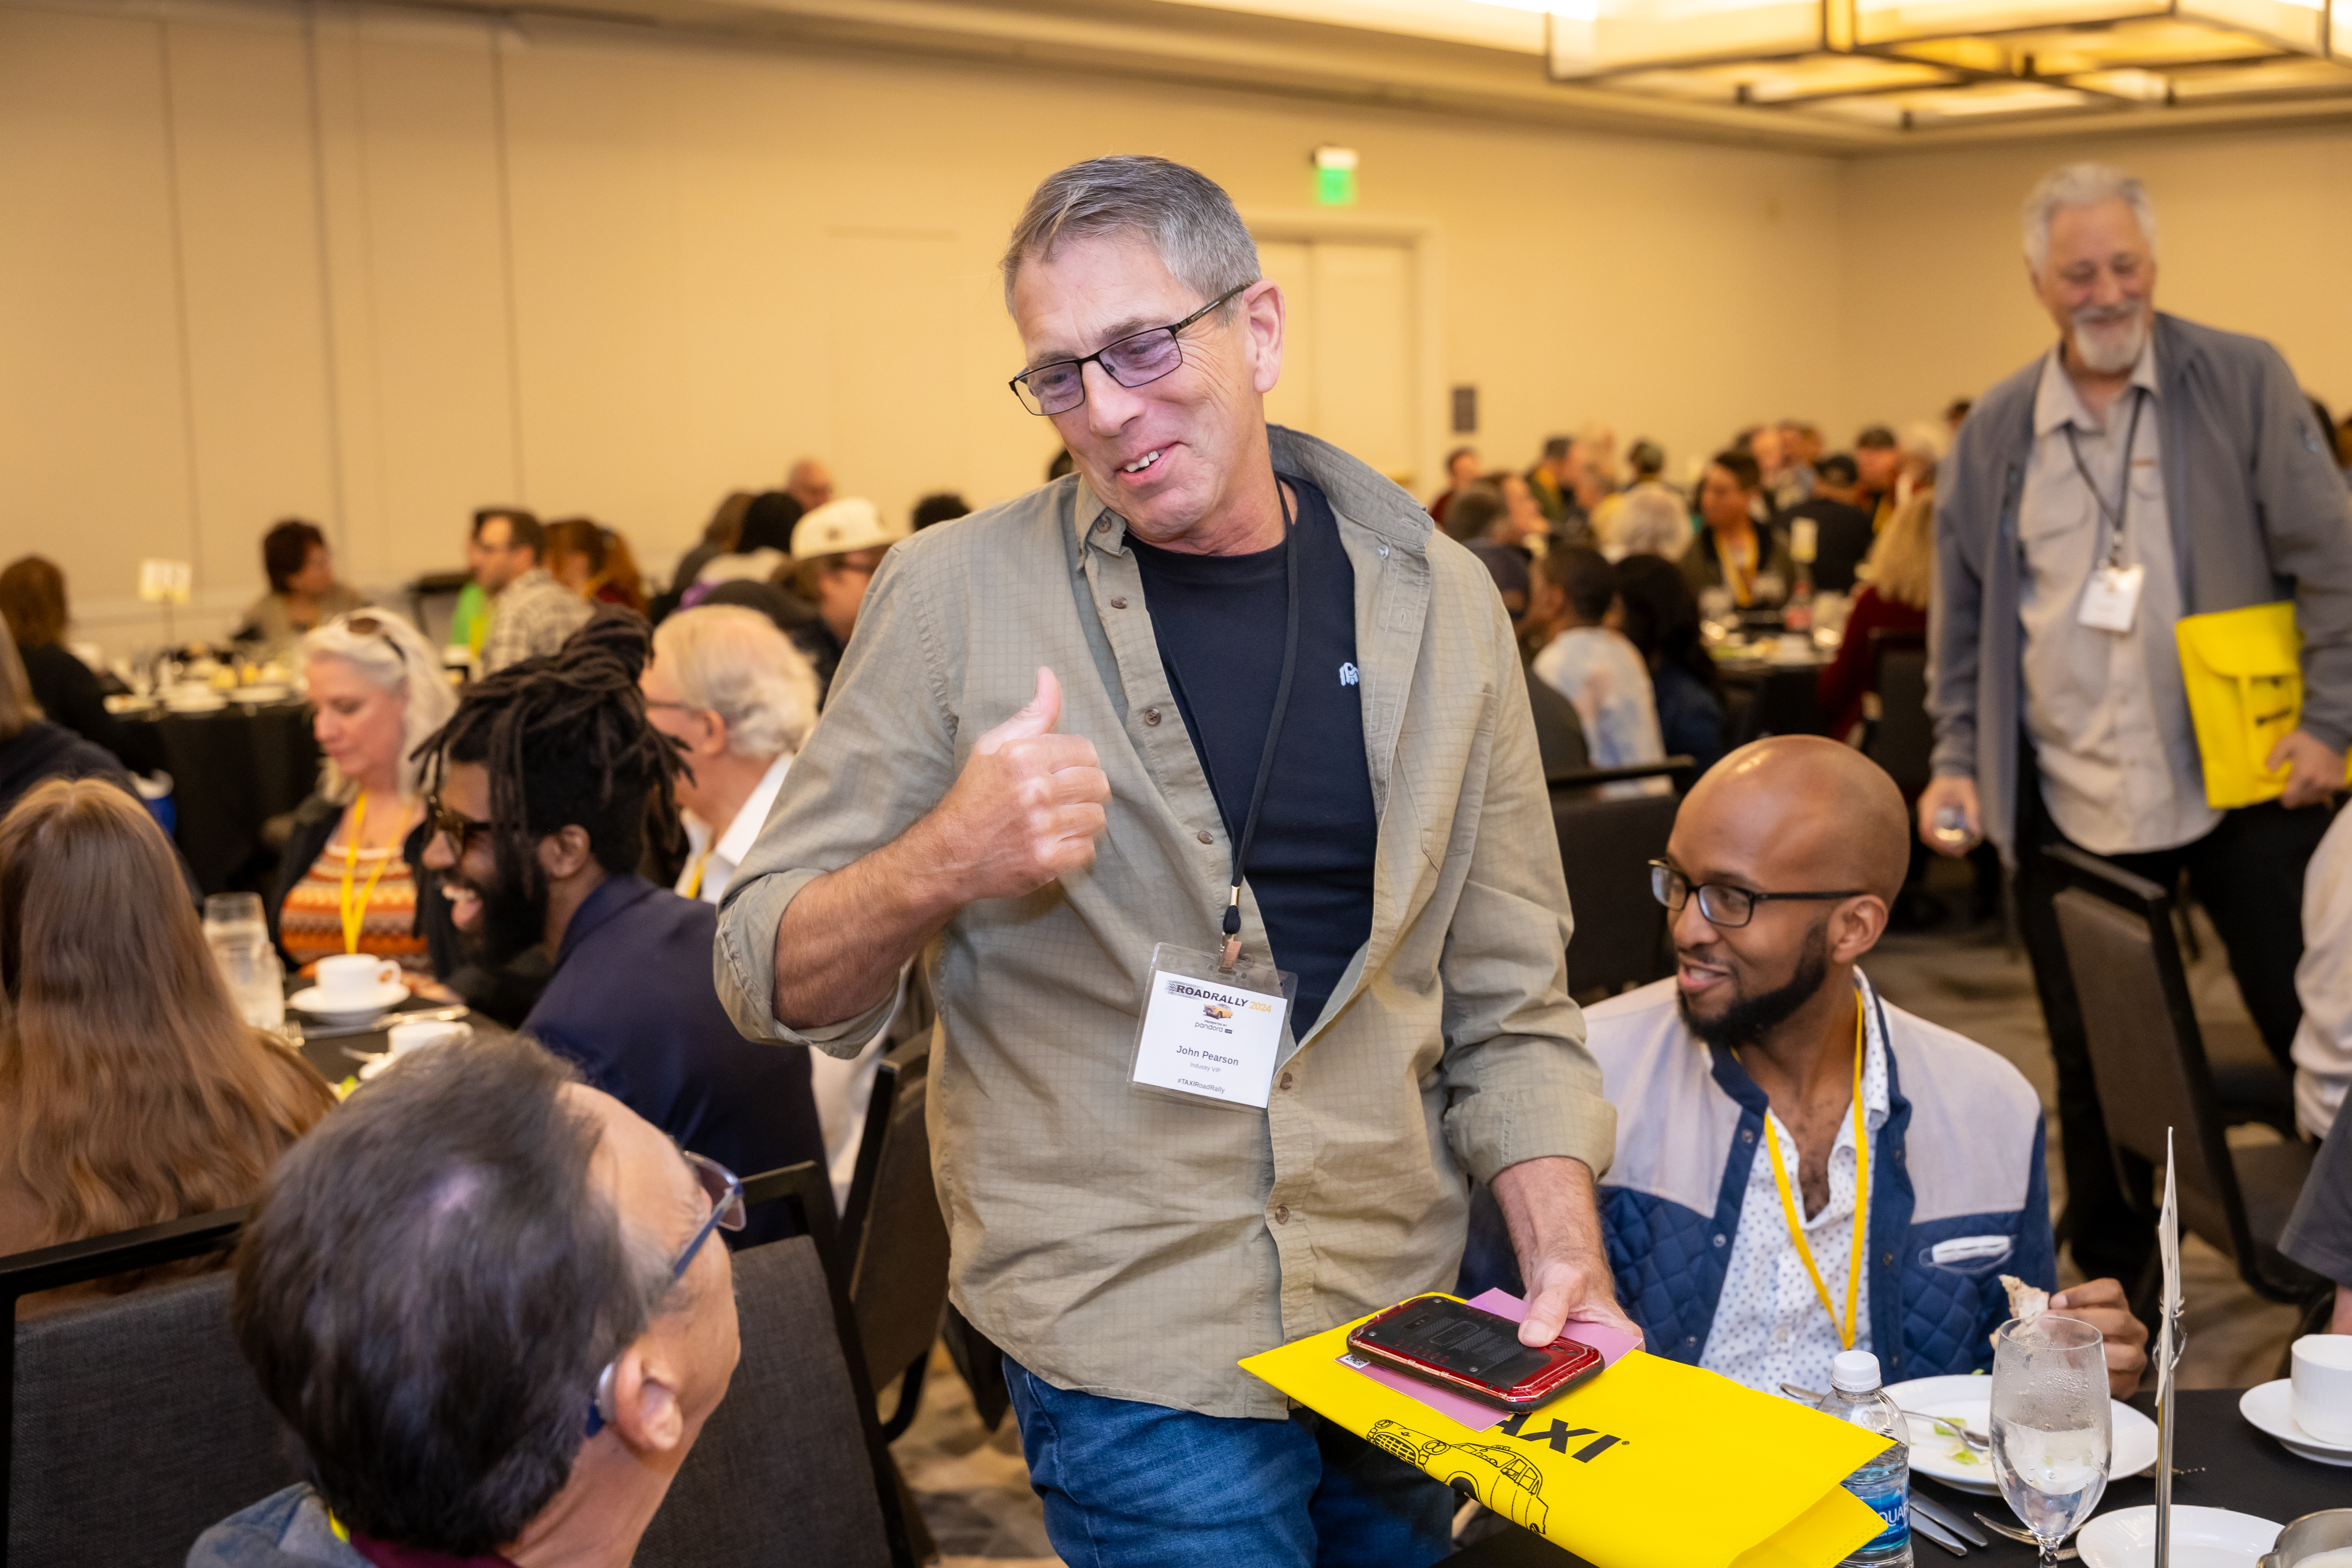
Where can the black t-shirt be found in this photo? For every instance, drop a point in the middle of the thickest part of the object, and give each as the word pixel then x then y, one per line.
pixel 1219 621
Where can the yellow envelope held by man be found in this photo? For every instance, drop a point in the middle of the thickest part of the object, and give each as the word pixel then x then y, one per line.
pixel 1651 1465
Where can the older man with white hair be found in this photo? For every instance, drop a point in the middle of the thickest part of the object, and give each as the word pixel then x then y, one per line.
pixel 2143 470
pixel 1214 740
pixel 738 699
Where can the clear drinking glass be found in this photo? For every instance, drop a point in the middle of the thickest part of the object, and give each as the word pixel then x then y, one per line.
pixel 235 919
pixel 2051 1437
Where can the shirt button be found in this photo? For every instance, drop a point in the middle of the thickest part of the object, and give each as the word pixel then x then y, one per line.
pixel 1748 1136
pixel 1285 1080
pixel 1119 603
pixel 1721 1239
pixel 1151 715
pixel 1102 525
pixel 1204 836
pixel 1282 1214
pixel 1384 552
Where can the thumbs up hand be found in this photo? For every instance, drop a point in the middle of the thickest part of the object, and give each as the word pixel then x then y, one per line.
pixel 1027 807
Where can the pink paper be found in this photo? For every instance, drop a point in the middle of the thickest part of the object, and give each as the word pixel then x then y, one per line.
pixel 1612 1344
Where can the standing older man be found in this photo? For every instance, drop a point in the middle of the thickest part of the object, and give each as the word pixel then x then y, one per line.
pixel 1295 718
pixel 2145 469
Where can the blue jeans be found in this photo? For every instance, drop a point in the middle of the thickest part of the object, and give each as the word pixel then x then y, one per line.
pixel 1130 1484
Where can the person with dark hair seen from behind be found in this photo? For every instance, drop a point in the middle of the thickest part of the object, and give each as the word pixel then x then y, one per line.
pixel 761 548
pixel 1559 734
pixel 719 538
pixel 303 591
pixel 66 690
pixel 593 561
pixel 1662 622
pixel 1461 473
pixel 542 788
pixel 1589 661
pixel 1477 511
pixel 484 1298
pixel 946 506
pixel 2144 471
pixel 1736 552
pixel 33 749
pixel 531 612
pixel 131 1090
pixel 1843 529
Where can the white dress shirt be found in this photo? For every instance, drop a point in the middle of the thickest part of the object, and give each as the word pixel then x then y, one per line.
pixel 715 864
pixel 2107 710
pixel 1601 674
pixel 1770 1325
pixel 2323 982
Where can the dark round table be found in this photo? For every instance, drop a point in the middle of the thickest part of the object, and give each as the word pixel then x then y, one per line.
pixel 2240 1469
pixel 1772 698
pixel 232 771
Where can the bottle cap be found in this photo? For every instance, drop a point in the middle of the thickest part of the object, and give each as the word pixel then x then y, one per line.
pixel 1854 1372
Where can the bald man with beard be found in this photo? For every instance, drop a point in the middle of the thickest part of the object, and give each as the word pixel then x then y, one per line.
pixel 1737 1084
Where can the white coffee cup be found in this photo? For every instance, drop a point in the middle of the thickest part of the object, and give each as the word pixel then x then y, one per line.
pixel 403 1037
pixel 2322 1403
pixel 355 977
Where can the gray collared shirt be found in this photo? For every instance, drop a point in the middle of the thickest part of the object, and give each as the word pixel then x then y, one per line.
pixel 2107 710
pixel 1120 1243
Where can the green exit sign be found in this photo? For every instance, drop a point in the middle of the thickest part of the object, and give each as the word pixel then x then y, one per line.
pixel 1335 176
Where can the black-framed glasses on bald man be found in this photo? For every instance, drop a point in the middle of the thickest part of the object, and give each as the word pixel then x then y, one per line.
pixel 1137 360
pixel 1723 903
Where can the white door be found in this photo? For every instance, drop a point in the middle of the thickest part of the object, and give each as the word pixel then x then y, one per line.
pixel 1347 349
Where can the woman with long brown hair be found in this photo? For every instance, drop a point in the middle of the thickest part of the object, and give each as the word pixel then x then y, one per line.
pixel 131 1091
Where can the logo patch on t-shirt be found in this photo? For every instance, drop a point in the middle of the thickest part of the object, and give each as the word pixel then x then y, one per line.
pixel 1349 674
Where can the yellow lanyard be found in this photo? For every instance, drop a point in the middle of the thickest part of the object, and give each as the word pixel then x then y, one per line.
pixel 355 913
pixel 694 882
pixel 1861 1198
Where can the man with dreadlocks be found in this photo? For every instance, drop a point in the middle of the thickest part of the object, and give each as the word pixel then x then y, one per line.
pixel 542 790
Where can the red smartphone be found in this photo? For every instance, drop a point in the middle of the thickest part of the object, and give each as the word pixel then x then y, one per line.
pixel 1475 1352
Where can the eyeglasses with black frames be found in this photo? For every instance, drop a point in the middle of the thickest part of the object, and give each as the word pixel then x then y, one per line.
pixel 1722 904
pixel 1134 360
pixel 457 828
pixel 724 1190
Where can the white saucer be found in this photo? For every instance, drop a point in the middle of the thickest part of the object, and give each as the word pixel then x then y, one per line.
pixel 211 703
pixel 2271 1407
pixel 1968 1400
pixel 346 1009
pixel 2202 1538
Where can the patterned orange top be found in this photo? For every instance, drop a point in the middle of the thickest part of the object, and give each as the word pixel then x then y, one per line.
pixel 312 924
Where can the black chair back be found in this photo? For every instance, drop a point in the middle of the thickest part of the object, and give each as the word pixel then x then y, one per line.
pixel 2148 1059
pixel 1606 844
pixel 898 1238
pixel 1901 737
pixel 774 1478
pixel 133 1424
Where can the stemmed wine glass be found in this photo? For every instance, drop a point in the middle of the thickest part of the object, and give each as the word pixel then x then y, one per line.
pixel 2052 1441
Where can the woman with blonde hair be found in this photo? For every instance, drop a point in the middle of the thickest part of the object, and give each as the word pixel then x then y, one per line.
pixel 1896 578
pixel 350 878
pixel 131 1091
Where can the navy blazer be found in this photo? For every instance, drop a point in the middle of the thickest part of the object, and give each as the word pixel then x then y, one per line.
pixel 633 1003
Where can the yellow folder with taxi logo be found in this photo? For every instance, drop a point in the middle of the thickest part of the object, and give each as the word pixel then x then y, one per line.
pixel 1651 1465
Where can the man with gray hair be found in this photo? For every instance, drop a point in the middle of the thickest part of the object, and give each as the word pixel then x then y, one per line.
pixel 2143 470
pixel 1219 1082
pixel 738 699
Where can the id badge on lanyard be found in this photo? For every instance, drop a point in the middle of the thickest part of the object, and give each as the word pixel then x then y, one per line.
pixel 1211 1025
pixel 2111 598
pixel 1209 1033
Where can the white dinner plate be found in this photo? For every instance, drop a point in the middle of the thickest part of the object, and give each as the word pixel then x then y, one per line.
pixel 264 692
pixel 1968 1400
pixel 344 1009
pixel 2202 1538
pixel 129 702
pixel 2271 1407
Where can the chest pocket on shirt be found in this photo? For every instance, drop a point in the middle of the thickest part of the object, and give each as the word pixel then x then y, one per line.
pixel 1968 1254
pixel 2049 518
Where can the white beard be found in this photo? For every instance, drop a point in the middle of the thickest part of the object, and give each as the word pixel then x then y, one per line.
pixel 2108 344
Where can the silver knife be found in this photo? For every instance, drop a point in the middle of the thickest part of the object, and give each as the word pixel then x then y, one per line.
pixel 347 1031
pixel 1928 1507
pixel 1922 1525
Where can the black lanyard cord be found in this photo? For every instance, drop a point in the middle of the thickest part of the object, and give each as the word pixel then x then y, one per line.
pixel 1233 926
pixel 2115 515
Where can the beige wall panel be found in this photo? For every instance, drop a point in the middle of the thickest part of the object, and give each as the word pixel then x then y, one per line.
pixel 421 261
pixel 258 356
pixel 2255 232
pixel 1364 354
pixel 93 433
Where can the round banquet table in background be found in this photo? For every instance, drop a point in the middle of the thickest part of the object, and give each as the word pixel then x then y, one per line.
pixel 231 772
pixel 2234 1467
pixel 1769 698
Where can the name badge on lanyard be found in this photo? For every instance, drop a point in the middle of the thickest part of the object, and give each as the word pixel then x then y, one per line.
pixel 1211 1024
pixel 2111 598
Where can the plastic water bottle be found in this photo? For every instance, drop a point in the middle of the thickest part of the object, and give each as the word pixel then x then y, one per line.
pixel 1885 1483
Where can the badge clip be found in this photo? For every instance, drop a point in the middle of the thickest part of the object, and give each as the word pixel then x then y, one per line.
pixel 1233 953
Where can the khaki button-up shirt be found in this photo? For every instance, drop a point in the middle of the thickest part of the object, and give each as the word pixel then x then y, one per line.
pixel 1116 1241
